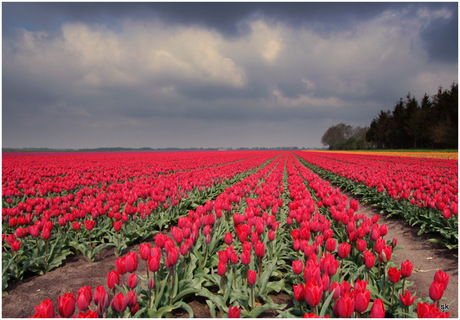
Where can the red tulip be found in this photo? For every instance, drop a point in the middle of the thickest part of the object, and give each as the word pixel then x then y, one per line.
pixel 89 224
pixel 234 258
pixel 246 257
pixel 173 256
pixel 84 298
pixel 344 250
pixel 99 294
pixel 113 278
pixel 229 238
pixel 21 232
pixel 252 277
pixel 394 242
pixel 119 302
pixel 378 309
pixel 297 266
pixel 331 243
pixel 361 245
pixel 132 281
pixel 76 225
pixel 442 277
pixel 120 265
pixel 312 273
pixel 131 262
pixel 117 225
pixel 132 298
pixel 15 245
pixel 34 230
pixel 369 259
pixel 177 234
pixel 407 299
pixel 271 235
pixel 336 288
pixel 436 290
pixel 144 251
pixel 66 305
pixel 299 292
pixel 154 263
pixel 223 257
pixel 344 306
pixel 362 300
pixel 394 274
pixel 385 255
pixel 46 233
pixel 360 285
pixel 325 281
pixel 135 309
pixel 222 268
pixel 45 309
pixel 379 245
pixel 260 249
pixel 406 268
pixel 160 240
pixel 234 312
pixel 313 293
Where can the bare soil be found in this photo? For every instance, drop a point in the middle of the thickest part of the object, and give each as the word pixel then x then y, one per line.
pixel 77 271
pixel 426 257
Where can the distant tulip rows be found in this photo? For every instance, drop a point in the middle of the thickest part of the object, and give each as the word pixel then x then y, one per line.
pixel 280 229
pixel 422 191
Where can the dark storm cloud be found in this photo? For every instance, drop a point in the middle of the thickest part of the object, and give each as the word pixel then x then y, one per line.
pixel 440 37
pixel 222 16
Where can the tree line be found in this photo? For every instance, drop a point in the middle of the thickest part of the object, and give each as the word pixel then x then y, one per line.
pixel 430 124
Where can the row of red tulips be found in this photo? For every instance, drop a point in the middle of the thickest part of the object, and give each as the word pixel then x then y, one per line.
pixel 310 229
pixel 362 245
pixel 39 232
pixel 424 192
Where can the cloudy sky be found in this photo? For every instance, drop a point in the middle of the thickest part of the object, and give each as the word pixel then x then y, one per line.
pixel 240 74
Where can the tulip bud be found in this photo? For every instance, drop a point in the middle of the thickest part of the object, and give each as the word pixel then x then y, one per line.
pixel 132 281
pixel 234 312
pixel 378 309
pixel 66 305
pixel 252 277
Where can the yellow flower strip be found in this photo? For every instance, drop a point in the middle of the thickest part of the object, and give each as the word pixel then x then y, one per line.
pixel 433 155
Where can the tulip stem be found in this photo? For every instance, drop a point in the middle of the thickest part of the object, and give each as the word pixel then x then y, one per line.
pixel 172 285
pixel 222 284
pixel 234 275
pixel 252 296
pixel 404 281
pixel 341 269
pixel 383 291
pixel 393 297
pixel 205 254
pixel 46 257
pixel 155 285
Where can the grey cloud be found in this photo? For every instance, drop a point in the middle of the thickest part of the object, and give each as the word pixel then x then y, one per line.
pixel 440 38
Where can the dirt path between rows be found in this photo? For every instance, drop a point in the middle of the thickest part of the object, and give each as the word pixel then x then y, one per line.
pixel 426 257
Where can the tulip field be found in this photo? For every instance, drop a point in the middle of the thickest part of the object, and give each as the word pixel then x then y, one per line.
pixel 230 228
